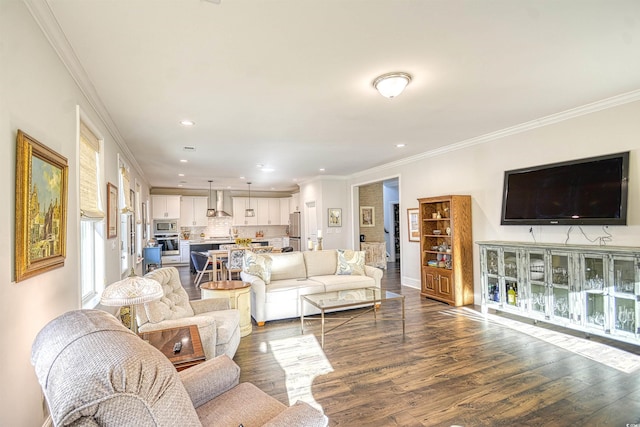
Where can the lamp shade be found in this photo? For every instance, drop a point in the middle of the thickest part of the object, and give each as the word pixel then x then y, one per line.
pixel 132 290
pixel 392 84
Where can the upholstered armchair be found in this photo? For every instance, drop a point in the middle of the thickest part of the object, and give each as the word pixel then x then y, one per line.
pixel 95 372
pixel 218 324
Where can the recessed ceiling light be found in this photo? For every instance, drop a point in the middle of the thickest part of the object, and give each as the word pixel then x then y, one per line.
pixel 183 160
pixel 180 174
pixel 187 122
pixel 267 169
pixel 321 169
pixel 242 177
pixel 180 185
pixel 400 145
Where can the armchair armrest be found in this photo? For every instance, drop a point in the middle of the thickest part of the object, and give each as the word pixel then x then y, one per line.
pixel 210 379
pixel 300 414
pixel 210 304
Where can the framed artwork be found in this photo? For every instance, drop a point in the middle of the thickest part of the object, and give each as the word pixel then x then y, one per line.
pixel 414 224
pixel 41 208
pixel 112 211
pixel 335 217
pixel 367 216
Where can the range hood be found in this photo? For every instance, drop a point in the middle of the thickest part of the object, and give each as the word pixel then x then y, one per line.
pixel 220 213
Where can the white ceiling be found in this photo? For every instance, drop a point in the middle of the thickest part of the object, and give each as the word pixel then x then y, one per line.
pixel 287 83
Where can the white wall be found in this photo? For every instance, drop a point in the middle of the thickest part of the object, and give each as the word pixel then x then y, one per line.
pixel 478 170
pixel 327 192
pixel 38 96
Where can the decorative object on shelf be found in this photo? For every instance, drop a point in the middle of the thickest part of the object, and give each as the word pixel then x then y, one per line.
pixel 448 230
pixel 41 208
pixel 131 291
pixel 335 217
pixel 367 216
pixel 413 222
pixel 391 85
pixel 248 212
pixel 211 212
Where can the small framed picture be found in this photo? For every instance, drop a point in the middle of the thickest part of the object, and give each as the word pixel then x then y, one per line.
pixel 414 224
pixel 335 217
pixel 112 211
pixel 367 216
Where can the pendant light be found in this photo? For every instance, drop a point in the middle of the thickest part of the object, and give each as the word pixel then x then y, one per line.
pixel 249 212
pixel 210 211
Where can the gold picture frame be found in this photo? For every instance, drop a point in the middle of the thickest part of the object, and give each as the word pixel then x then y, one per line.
pixel 367 216
pixel 112 211
pixel 413 223
pixel 335 217
pixel 41 208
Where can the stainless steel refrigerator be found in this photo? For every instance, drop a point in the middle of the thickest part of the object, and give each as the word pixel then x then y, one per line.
pixel 294 230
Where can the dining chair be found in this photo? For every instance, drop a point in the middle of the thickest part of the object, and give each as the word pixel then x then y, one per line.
pixel 234 262
pixel 202 265
pixel 217 259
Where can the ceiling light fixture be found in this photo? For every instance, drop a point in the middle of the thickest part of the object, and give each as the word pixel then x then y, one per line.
pixel 248 212
pixel 187 122
pixel 391 85
pixel 210 211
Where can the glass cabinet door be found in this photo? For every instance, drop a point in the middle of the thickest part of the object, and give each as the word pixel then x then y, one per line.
pixel 538 289
pixel 594 288
pixel 561 303
pixel 491 261
pixel 625 289
pixel 512 287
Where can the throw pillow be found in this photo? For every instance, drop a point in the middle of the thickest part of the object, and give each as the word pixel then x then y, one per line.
pixel 258 265
pixel 350 262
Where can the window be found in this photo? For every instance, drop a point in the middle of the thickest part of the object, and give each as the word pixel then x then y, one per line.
pixel 92 256
pixel 127 218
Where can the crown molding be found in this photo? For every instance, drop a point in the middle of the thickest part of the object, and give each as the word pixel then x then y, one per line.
pixel 593 107
pixel 43 15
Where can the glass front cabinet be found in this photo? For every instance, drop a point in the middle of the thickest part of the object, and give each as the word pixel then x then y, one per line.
pixel 593 289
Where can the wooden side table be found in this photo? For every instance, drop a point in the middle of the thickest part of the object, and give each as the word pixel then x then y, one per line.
pixel 238 293
pixel 191 352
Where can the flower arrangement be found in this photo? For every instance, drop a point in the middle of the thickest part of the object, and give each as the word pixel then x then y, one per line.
pixel 240 241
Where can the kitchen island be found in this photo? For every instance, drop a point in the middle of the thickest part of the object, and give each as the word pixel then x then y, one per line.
pixel 204 245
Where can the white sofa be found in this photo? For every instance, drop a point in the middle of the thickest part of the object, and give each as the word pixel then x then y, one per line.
pixel 302 273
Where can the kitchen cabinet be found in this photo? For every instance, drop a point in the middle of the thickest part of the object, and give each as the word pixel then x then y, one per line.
pixel 240 204
pixel 165 207
pixel 446 249
pixel 185 252
pixel 193 211
pixel 285 210
pixel 268 211
pixel 594 289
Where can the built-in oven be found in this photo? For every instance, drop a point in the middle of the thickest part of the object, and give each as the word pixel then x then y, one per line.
pixel 165 226
pixel 169 243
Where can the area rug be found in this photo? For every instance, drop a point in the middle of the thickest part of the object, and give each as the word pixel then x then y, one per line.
pixel 610 356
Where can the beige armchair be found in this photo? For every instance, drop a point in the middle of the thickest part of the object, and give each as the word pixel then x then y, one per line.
pixel 94 371
pixel 218 324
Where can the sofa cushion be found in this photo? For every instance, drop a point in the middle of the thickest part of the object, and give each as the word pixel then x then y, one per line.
pixel 350 262
pixel 287 265
pixel 319 263
pixel 291 289
pixel 258 265
pixel 335 282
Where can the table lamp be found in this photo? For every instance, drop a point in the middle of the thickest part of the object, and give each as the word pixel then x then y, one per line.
pixel 131 291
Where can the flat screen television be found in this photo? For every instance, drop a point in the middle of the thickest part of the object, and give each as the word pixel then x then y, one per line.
pixel 591 191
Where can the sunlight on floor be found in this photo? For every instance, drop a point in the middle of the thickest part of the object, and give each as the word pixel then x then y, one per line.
pixel 601 353
pixel 302 359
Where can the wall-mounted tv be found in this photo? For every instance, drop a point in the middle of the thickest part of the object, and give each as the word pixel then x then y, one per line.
pixel 590 191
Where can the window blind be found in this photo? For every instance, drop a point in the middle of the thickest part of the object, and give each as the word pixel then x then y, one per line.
pixel 90 200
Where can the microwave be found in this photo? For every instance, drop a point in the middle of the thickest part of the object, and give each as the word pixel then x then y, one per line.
pixel 165 226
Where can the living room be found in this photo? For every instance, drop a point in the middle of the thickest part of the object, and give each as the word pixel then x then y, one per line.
pixel 41 97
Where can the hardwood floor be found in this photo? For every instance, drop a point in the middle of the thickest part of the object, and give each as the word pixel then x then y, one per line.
pixel 452 367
